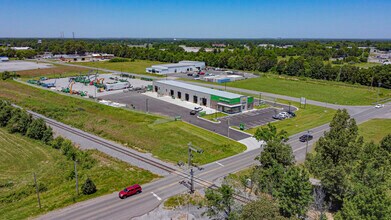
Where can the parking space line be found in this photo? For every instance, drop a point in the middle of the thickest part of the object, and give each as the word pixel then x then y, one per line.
pixel 157 197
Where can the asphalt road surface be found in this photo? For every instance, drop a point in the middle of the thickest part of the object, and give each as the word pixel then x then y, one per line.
pixel 111 207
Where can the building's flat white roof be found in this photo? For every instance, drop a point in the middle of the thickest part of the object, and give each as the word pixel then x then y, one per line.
pixel 192 87
pixel 164 66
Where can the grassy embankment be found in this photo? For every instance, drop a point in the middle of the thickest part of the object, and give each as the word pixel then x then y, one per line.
pixel 137 66
pixel 375 129
pixel 21 157
pixel 320 90
pixel 164 138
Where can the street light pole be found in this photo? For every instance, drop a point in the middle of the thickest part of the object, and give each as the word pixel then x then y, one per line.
pixel 77 180
pixel 228 127
pixel 306 148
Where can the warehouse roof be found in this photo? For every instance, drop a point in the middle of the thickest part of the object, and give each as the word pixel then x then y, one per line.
pixel 172 65
pixel 192 87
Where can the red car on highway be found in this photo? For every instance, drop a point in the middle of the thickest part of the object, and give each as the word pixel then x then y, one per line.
pixel 129 191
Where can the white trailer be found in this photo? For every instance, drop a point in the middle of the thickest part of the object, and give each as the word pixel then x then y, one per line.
pixel 116 86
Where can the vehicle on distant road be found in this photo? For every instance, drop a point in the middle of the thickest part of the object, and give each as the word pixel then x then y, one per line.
pixel 198 109
pixel 306 137
pixel 129 191
pixel 193 112
pixel 379 106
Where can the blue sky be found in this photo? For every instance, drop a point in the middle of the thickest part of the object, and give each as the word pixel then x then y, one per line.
pixel 197 19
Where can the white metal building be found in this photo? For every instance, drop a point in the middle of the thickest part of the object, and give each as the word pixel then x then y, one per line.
pixel 181 67
pixel 221 100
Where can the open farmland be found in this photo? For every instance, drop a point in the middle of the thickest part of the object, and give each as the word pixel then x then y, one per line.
pixel 17 192
pixel 164 138
pixel 325 91
pixel 137 66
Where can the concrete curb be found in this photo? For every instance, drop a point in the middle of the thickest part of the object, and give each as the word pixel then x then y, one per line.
pixel 214 122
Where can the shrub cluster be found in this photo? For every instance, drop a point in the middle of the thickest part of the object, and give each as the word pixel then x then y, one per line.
pixel 118 60
pixel 17 120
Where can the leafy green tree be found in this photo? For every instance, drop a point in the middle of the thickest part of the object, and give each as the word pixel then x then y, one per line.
pixel 264 208
pixel 5 113
pixel 295 193
pixel 88 187
pixel 220 203
pixel 39 130
pixel 19 122
pixel 335 155
pixel 270 133
pixel 366 203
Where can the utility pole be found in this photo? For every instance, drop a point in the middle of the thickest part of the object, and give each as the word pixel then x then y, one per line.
pixel 37 190
pixel 260 98
pixel 190 166
pixel 77 180
pixel 378 93
pixel 146 105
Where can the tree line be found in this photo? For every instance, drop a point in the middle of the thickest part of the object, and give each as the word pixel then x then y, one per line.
pixel 304 59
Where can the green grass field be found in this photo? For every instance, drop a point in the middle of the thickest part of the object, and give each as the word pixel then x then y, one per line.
pixel 137 66
pixel 375 129
pixel 165 139
pixel 306 118
pixel 325 91
pixel 20 157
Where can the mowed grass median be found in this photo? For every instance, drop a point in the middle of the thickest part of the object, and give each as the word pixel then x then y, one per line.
pixel 137 66
pixel 375 129
pixel 306 118
pixel 319 90
pixel 164 138
pixel 20 157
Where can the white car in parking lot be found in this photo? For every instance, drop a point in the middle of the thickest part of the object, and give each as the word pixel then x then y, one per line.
pixel 379 106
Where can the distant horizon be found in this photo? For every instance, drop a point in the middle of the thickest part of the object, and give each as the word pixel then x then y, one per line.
pixel 202 19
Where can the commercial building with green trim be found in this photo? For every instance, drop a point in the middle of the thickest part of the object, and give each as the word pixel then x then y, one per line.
pixel 220 100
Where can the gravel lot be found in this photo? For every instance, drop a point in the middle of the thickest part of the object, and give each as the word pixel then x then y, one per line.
pixel 17 65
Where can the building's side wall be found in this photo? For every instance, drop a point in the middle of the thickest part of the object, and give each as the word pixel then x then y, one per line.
pixel 163 89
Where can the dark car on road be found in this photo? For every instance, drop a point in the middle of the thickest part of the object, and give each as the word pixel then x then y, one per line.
pixel 306 137
pixel 193 112
pixel 129 191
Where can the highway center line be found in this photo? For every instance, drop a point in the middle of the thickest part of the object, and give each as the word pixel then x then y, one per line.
pixel 157 197
pixel 219 163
